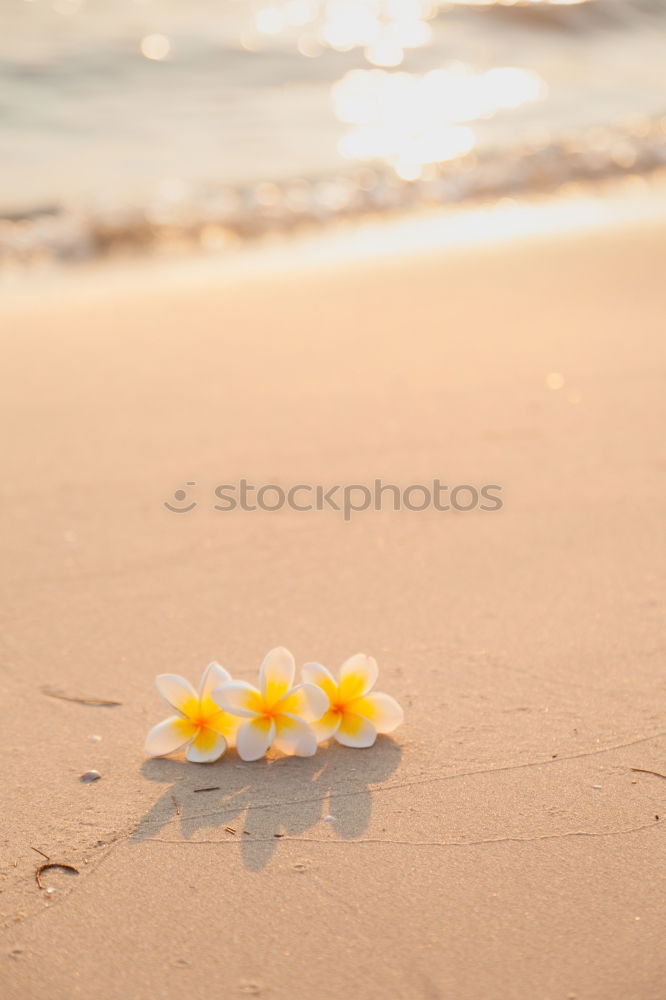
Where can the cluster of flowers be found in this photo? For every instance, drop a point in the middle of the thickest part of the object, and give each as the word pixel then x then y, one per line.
pixel 293 719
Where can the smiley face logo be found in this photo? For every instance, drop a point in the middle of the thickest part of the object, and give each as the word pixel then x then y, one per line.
pixel 180 496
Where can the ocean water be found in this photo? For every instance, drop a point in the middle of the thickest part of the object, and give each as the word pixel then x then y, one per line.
pixel 137 122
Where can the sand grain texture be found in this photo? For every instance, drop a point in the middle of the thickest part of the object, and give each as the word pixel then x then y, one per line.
pixel 471 856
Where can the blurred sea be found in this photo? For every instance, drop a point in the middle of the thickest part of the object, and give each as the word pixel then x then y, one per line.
pixel 139 122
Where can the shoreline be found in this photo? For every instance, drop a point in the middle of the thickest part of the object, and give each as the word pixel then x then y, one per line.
pixel 577 209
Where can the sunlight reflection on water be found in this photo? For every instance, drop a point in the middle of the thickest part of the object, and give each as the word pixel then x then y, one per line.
pixel 382 28
pixel 208 123
pixel 409 120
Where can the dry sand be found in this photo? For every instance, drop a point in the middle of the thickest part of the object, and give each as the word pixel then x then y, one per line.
pixel 500 847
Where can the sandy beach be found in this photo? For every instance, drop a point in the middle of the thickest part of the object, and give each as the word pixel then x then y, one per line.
pixel 499 845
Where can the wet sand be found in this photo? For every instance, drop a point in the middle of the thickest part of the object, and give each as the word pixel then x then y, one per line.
pixel 499 845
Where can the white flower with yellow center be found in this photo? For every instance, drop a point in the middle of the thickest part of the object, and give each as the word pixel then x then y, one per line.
pixel 277 713
pixel 200 725
pixel 354 715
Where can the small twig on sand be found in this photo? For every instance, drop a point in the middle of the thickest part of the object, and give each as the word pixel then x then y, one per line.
pixel 177 805
pixel 230 829
pixel 644 770
pixel 101 702
pixel 37 851
pixel 52 864
pixel 212 788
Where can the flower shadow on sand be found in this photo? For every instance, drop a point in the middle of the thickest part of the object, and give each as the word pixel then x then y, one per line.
pixel 258 803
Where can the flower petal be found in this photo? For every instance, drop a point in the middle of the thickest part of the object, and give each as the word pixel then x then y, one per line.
pixel 355 731
pixel 306 700
pixel 380 709
pixel 206 746
pixel 213 676
pixel 168 736
pixel 225 724
pixel 254 737
pixel 294 736
pixel 239 698
pixel 179 694
pixel 276 675
pixel 315 673
pixel 357 676
pixel 327 726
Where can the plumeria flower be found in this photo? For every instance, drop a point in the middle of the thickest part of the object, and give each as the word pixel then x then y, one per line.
pixel 354 715
pixel 200 725
pixel 276 713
